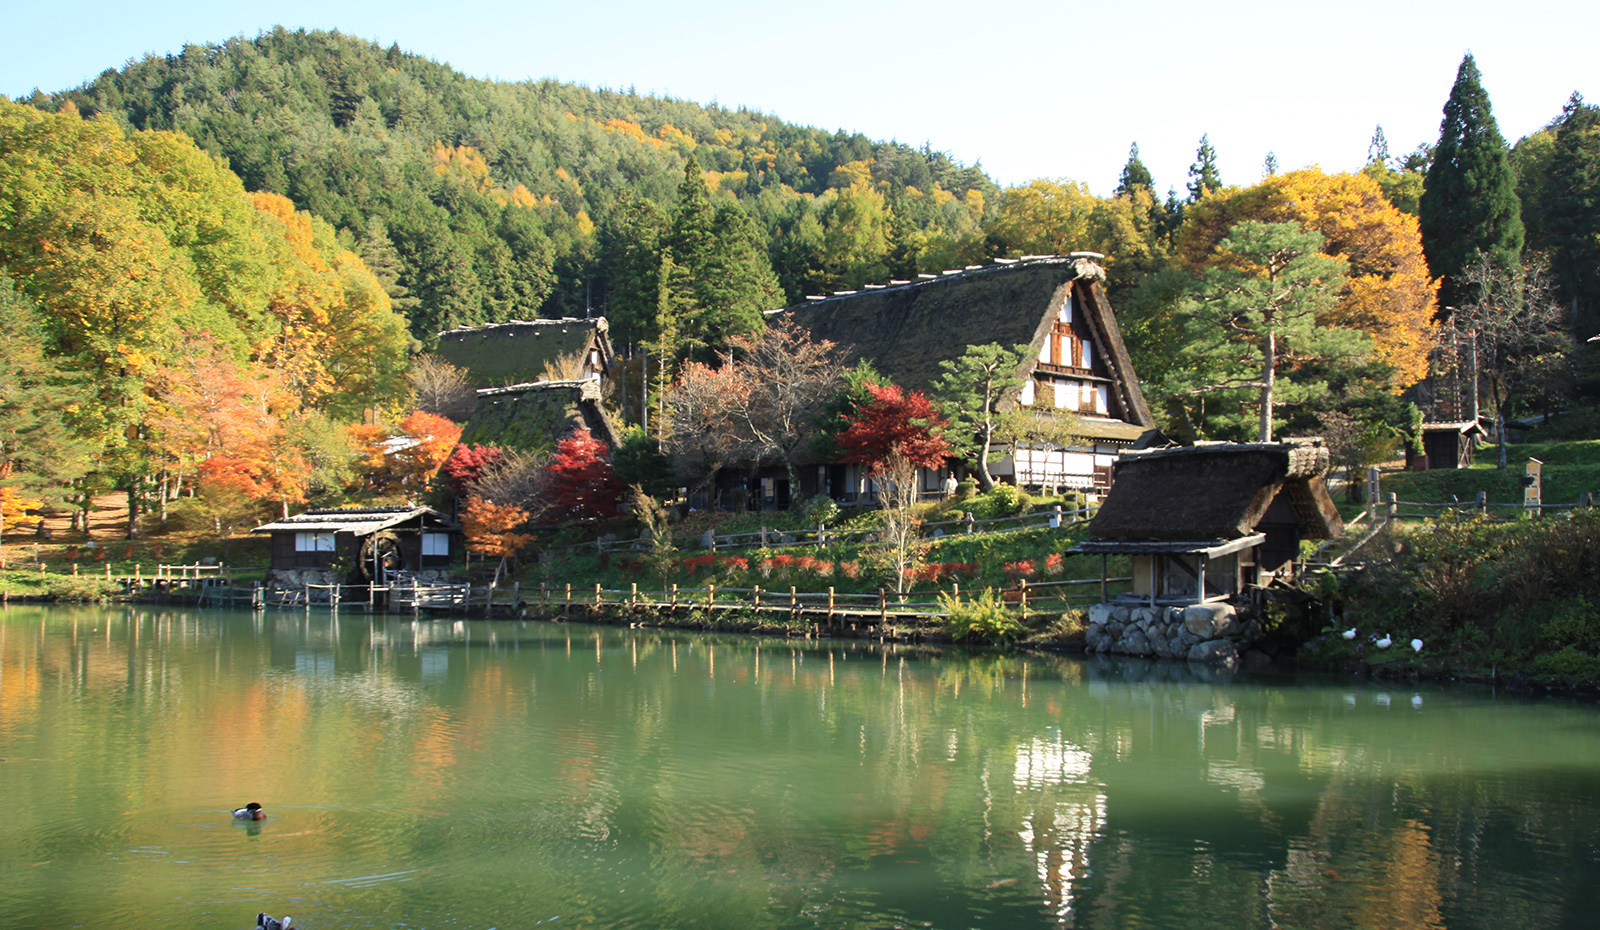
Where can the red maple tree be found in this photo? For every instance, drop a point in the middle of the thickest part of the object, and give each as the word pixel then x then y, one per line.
pixel 895 422
pixel 467 463
pixel 581 481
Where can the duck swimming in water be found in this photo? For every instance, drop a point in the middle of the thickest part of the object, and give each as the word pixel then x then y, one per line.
pixel 263 922
pixel 251 811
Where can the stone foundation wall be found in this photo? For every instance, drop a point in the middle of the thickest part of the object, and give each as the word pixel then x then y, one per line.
pixel 1205 633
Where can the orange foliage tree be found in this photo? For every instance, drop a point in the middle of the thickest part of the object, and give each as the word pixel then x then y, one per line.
pixel 405 456
pixel 490 528
pixel 1388 295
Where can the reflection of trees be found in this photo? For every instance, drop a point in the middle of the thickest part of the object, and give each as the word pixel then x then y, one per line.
pixel 663 779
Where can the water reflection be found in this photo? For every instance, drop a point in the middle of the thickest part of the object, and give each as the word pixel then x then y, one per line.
pixel 438 772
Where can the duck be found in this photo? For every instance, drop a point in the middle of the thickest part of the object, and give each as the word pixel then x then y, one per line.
pixel 1349 634
pixel 1385 642
pixel 263 922
pixel 1416 645
pixel 251 811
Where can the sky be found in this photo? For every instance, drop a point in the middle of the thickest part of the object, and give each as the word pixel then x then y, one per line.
pixel 1028 89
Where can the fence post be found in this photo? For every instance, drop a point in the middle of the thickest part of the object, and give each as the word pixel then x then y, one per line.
pixel 755 593
pixel 969 523
pixel 822 535
pixel 544 595
pixel 74 569
pixel 830 603
pixel 569 594
pixel 597 594
pixel 1055 518
pixel 1394 505
pixel 1023 599
pixel 883 606
pixel 794 604
pixel 1483 502
pixel 633 594
pixel 711 595
pixel 308 597
pixel 674 595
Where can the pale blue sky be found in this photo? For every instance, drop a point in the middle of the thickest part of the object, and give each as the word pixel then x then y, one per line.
pixel 1033 89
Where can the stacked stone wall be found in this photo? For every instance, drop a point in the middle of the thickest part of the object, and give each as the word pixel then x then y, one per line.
pixel 1206 633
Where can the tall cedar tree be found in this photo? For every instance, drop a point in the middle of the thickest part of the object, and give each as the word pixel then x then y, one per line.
pixel 1573 195
pixel 1135 175
pixel 1469 201
pixel 1203 175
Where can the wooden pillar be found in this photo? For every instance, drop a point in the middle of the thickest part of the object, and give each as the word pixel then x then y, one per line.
pixel 883 606
pixel 755 594
pixel 1023 599
pixel 830 603
pixel 569 594
pixel 711 595
pixel 1200 580
pixel 674 595
pixel 597 594
pixel 1105 570
pixel 794 603
pixel 1483 502
pixel 633 594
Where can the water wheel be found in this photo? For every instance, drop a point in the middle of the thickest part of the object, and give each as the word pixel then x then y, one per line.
pixel 380 551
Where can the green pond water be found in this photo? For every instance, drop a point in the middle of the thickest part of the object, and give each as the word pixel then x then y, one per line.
pixel 442 774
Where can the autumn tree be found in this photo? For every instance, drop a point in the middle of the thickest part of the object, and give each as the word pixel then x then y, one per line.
pixel 467 465
pixel 1469 201
pixel 703 411
pixel 490 528
pixel 1254 320
pixel 971 392
pixel 895 422
pixel 427 441
pixel 441 388
pixel 1387 293
pixel 580 481
pixel 790 379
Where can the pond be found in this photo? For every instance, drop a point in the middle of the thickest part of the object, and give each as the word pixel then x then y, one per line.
pixel 472 774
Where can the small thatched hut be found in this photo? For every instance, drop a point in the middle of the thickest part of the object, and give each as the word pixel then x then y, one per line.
pixel 534 417
pixel 1076 368
pixel 520 351
pixel 1209 522
pixel 364 540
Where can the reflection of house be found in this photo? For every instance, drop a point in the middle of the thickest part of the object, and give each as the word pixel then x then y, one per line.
pixel 1055 306
pixel 1448 398
pixel 409 538
pixel 534 417
pixel 1209 522
pixel 521 351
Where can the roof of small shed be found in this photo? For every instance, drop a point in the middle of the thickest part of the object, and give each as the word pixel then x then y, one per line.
pixel 1215 491
pixel 361 521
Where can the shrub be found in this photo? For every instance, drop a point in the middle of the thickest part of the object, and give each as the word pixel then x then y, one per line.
pixel 1006 500
pixel 820 511
pixel 982 618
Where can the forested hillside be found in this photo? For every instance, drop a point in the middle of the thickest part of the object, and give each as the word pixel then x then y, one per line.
pixel 501 200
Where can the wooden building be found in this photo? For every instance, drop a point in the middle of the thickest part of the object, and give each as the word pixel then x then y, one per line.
pixel 365 540
pixel 534 417
pixel 1076 363
pixel 1213 521
pixel 1452 424
pixel 524 351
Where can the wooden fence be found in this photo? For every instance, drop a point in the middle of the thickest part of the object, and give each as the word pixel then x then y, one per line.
pixel 822 536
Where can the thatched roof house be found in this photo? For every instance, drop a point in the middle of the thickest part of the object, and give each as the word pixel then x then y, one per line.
pixel 1207 522
pixel 1056 306
pixel 408 538
pixel 519 351
pixel 534 417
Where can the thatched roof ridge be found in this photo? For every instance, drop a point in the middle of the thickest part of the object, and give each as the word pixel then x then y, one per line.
pixel 535 416
pixel 1216 491
pixel 907 329
pixel 519 350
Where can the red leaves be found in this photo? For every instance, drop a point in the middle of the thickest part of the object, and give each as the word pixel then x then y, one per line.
pixel 468 463
pixel 581 481
pixel 893 422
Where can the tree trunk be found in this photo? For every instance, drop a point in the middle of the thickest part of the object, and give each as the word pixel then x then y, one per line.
pixel 1269 365
pixel 133 508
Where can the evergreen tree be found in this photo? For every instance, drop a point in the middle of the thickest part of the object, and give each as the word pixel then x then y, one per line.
pixel 1572 197
pixel 630 261
pixel 1203 174
pixel 1469 201
pixel 1134 175
pixel 1378 148
pixel 1270 166
pixel 377 251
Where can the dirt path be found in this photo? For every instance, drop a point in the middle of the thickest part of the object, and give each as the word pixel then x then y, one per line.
pixel 107 520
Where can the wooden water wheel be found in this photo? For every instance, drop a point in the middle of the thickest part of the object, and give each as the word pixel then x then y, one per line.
pixel 380 554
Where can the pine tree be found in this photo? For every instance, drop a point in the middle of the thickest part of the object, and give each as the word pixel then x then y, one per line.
pixel 1134 175
pixel 1573 197
pixel 1378 148
pixel 377 251
pixel 1203 174
pixel 1469 200
pixel 1270 166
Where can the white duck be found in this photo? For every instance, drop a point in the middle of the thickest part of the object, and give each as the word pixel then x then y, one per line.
pixel 1349 634
pixel 1385 642
pixel 263 922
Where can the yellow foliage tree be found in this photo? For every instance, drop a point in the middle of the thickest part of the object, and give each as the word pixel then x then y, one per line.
pixel 1390 295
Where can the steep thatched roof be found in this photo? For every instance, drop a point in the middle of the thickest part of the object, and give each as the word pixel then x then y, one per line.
pixel 1215 491
pixel 517 351
pixel 360 521
pixel 906 330
pixel 534 417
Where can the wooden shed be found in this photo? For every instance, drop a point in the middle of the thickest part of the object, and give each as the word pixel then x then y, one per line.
pixel 1213 521
pixel 365 540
